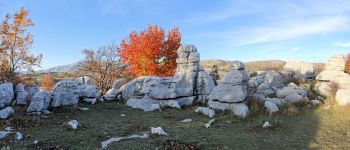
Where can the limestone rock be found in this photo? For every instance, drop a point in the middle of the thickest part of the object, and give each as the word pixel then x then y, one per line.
pixel 144 104
pixel 229 93
pixel 205 111
pixel 274 79
pixel 6 94
pixel 74 124
pixel 65 92
pixel 158 131
pixel 292 94
pixel 85 80
pixel 6 112
pixel 208 125
pixel 31 90
pixel 343 97
pixel 237 65
pixel 336 62
pixel 304 68
pixel 271 107
pixel 239 109
pixel 20 94
pixel 40 102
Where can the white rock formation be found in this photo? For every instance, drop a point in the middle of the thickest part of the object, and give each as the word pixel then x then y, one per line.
pixel 6 94
pixel 65 92
pixel 20 94
pixel 205 111
pixel 6 112
pixel 144 104
pixel 85 80
pixel 19 136
pixel 343 97
pixel 306 69
pixel 116 90
pixel 208 125
pixel 40 102
pixel 31 90
pixel 190 81
pixel 239 109
pixel 266 124
pixel 158 131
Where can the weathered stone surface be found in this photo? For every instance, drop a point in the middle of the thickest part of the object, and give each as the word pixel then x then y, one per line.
pixel 205 111
pixel 119 83
pixel 229 93
pixel 292 94
pixel 89 91
pixel 158 131
pixel 40 102
pixel 20 94
pixel 304 68
pixel 237 65
pixel 235 77
pixel 274 79
pixel 65 92
pixel 239 109
pixel 144 104
pixel 6 94
pixel 271 107
pixel 336 62
pixel 6 112
pixel 343 97
pixel 31 90
pixel 190 80
pixel 265 89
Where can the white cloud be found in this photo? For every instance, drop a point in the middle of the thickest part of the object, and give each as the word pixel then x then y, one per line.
pixel 342 44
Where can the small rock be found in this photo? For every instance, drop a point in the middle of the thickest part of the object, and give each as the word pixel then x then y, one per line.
pixel 122 115
pixel 205 111
pixel 3 134
pixel 207 125
pixel 6 112
pixel 35 142
pixel 8 129
pixel 74 124
pixel 186 120
pixel 19 136
pixel 158 131
pixel 266 124
pixel 315 102
pixel 83 108
pixel 271 107
pixel 105 144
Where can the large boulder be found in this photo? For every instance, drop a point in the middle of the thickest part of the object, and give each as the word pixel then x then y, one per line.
pixel 343 97
pixel 84 80
pixel 274 79
pixel 303 68
pixel 190 80
pixel 65 92
pixel 20 94
pixel 40 102
pixel 6 94
pixel 292 94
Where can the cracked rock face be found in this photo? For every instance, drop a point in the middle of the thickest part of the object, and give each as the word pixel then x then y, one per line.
pixel 65 92
pixel 40 102
pixel 6 94
pixel 189 80
pixel 21 94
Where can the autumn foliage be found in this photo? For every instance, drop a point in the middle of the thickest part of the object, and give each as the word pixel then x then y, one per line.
pixel 15 46
pixel 47 82
pixel 150 52
pixel 347 64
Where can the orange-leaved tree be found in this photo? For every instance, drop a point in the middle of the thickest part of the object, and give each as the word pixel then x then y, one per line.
pixel 150 52
pixel 347 63
pixel 47 82
pixel 15 46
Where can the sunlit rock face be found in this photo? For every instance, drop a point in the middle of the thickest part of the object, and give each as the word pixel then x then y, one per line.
pixel 305 69
pixel 6 94
pixel 231 91
pixel 190 80
pixel 334 73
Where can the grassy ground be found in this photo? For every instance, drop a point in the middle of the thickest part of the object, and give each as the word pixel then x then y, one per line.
pixel 293 128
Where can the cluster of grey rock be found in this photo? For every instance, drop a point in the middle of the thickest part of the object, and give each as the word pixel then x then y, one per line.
pixel 232 91
pixel 189 83
pixel 65 92
pixel 334 74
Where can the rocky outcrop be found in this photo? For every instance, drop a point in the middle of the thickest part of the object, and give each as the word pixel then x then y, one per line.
pixel 40 102
pixel 65 92
pixel 21 94
pixel 6 94
pixel 305 69
pixel 334 74
pixel 189 81
pixel 85 80
pixel 31 90
pixel 115 92
pixel 231 91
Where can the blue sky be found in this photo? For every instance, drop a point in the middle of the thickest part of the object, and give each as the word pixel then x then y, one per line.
pixel 243 30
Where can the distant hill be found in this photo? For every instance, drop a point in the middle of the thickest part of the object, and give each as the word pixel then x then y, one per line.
pixel 59 69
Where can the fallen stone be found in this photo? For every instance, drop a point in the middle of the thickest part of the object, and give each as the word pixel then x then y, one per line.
pixel 315 102
pixel 266 124
pixel 144 104
pixel 6 112
pixel 205 111
pixel 65 92
pixel 158 131
pixel 8 129
pixel 105 144
pixel 241 110
pixel 19 136
pixel 3 134
pixel 6 94
pixel 186 120
pixel 40 102
pixel 74 124
pixel 122 115
pixel 83 108
pixel 208 125
pixel 90 100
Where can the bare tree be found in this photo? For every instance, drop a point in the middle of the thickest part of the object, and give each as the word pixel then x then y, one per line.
pixel 103 66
